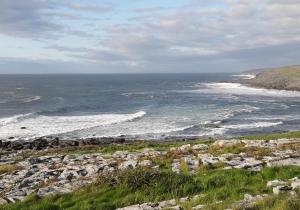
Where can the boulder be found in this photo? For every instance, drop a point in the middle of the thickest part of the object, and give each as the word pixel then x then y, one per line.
pixel 145 163
pixel 275 183
pixel 129 164
pixel 200 147
pixel 167 204
pixel 198 207
pixel 185 147
pixel 3 201
pixel 295 184
pixel 144 206
pixel 226 143
pixel 281 189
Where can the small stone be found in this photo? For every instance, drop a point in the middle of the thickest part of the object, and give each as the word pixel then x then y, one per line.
pixel 183 200
pixel 167 204
pixel 198 207
pixel 175 208
pixel 295 185
pixel 3 201
pixel 145 163
pixel 129 164
pixel 226 143
pixel 185 147
pixel 275 183
pixel 200 147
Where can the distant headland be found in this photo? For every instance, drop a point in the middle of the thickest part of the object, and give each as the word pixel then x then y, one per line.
pixel 283 78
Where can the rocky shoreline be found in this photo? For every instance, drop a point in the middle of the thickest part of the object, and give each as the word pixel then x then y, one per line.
pixel 55 142
pixel 49 142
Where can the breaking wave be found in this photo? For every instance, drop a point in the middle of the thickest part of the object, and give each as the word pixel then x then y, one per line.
pixel 253 125
pixel 239 89
pixel 34 125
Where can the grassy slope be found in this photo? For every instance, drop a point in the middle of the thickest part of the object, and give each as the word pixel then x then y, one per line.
pixel 293 71
pixel 138 186
pixel 294 134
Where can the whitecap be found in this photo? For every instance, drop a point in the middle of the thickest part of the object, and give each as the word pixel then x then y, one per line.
pixel 31 99
pixel 253 125
pixel 41 125
pixel 15 119
pixel 239 89
pixel 245 76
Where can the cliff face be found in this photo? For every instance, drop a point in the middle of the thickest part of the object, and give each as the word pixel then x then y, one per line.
pixel 285 78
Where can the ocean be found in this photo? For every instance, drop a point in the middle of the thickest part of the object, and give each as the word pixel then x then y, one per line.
pixel 141 106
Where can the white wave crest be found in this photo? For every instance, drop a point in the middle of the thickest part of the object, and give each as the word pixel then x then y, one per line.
pixel 245 76
pixel 31 99
pixel 253 125
pixel 239 89
pixel 40 125
pixel 14 119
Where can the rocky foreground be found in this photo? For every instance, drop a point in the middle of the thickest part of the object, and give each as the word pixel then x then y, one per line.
pixel 63 173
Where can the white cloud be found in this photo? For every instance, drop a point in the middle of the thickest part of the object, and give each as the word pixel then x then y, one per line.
pixel 231 34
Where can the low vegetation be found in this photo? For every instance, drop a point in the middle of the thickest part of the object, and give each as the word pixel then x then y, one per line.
pixel 294 134
pixel 145 185
pixel 8 168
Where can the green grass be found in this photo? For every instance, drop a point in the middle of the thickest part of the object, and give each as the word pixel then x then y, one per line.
pixel 291 71
pixel 294 134
pixel 283 202
pixel 145 185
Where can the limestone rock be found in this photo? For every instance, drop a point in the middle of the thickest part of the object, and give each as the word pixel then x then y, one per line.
pixel 198 207
pixel 275 183
pixel 200 147
pixel 128 164
pixel 281 189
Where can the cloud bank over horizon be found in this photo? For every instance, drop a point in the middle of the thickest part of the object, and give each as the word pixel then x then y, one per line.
pixel 130 36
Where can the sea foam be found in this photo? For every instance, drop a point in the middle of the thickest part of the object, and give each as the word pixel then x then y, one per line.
pixel 239 89
pixel 40 125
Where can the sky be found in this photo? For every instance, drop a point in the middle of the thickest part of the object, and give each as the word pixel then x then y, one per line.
pixel 147 36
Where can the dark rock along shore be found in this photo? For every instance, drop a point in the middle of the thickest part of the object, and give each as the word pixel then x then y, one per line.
pixel 48 142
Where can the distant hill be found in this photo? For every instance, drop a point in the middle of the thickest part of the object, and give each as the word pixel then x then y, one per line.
pixel 283 78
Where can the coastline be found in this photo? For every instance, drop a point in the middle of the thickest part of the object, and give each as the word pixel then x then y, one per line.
pixel 285 78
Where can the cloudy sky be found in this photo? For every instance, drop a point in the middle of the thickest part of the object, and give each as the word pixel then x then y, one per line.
pixel 137 36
